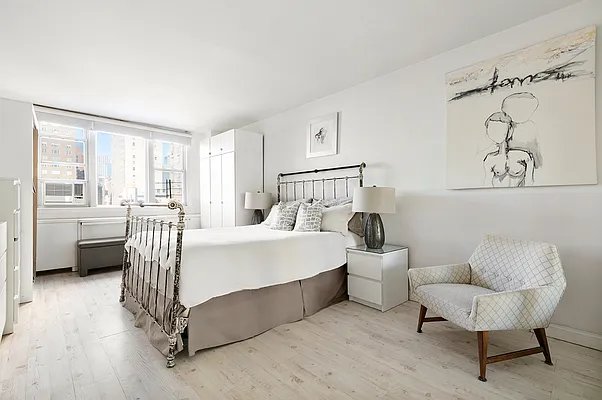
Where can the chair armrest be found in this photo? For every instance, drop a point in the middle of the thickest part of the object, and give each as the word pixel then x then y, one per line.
pixel 516 309
pixel 453 273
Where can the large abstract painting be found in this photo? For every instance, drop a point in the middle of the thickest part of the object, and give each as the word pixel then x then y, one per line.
pixel 526 118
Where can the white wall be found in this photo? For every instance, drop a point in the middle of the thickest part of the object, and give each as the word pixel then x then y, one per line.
pixel 16 161
pixel 396 124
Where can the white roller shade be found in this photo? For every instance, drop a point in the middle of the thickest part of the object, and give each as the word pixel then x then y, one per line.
pixel 107 125
pixel 172 137
pixel 121 130
pixel 63 120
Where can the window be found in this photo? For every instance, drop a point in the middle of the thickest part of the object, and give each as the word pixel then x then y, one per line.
pixel 116 163
pixel 67 157
pixel 91 162
pixel 169 173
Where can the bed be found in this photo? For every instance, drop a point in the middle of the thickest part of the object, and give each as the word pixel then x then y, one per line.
pixel 201 288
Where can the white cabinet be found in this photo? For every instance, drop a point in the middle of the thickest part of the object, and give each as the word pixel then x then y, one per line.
pixel 378 278
pixel 11 237
pixel 231 164
pixel 205 193
pixel 57 241
pixel 228 187
pixel 224 142
pixel 3 294
pixel 215 190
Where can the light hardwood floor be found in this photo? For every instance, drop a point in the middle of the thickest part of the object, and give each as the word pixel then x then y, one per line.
pixel 76 341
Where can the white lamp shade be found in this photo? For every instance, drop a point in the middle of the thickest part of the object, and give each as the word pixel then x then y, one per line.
pixel 379 200
pixel 258 201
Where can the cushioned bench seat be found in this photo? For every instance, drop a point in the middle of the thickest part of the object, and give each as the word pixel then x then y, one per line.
pixel 99 253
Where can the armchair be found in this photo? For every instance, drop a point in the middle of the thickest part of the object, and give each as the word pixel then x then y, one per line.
pixel 506 284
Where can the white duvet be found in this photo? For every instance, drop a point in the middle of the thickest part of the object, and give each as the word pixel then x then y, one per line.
pixel 219 261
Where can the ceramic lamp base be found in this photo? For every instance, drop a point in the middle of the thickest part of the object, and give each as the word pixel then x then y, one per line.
pixel 374 232
pixel 257 217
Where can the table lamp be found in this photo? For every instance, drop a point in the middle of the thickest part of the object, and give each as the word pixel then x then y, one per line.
pixel 374 200
pixel 257 201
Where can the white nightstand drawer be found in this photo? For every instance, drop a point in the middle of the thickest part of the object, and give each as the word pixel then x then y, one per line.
pixel 367 266
pixel 365 289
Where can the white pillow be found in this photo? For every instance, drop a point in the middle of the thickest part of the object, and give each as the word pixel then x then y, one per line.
pixel 271 215
pixel 335 219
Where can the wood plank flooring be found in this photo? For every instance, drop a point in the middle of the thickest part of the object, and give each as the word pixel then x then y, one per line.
pixel 76 342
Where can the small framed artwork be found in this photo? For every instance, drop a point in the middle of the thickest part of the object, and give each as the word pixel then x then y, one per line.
pixel 323 136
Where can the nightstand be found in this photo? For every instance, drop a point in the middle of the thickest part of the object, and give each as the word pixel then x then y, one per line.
pixel 378 278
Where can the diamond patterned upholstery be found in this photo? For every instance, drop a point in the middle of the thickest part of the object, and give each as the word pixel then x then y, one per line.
pixel 524 280
pixel 452 301
pixel 453 273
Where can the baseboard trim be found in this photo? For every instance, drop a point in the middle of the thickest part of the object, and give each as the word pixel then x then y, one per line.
pixel 582 338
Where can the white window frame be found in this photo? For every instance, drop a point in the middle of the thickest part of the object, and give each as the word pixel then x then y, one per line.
pixel 86 164
pixel 152 169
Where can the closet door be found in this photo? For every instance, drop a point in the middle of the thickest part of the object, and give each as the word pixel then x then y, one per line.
pixel 216 191
pixel 226 143
pixel 215 145
pixel 229 189
pixel 205 170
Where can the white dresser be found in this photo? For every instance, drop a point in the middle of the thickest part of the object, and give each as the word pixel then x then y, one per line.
pixel 378 278
pixel 231 164
pixel 10 212
pixel 2 276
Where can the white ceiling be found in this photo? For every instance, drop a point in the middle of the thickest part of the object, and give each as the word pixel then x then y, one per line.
pixel 199 64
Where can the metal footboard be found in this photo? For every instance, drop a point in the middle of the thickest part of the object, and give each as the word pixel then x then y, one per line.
pixel 161 267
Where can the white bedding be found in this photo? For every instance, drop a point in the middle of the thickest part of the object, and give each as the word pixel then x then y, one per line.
pixel 219 261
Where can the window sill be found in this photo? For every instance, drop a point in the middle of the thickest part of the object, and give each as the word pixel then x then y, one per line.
pixel 99 212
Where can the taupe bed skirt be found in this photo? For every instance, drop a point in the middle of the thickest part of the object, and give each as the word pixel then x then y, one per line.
pixel 241 315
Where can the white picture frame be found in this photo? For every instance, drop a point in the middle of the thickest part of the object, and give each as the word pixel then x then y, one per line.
pixel 322 136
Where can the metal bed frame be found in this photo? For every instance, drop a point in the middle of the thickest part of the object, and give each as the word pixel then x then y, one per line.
pixel 172 318
pixel 303 182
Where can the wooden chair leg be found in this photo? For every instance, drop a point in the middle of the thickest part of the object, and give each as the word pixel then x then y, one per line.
pixel 483 339
pixel 540 333
pixel 421 318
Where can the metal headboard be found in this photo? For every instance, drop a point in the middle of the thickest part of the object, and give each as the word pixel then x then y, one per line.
pixel 304 182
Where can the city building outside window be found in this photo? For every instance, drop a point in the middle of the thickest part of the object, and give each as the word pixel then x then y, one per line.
pixel 67 160
pixel 117 158
pixel 169 171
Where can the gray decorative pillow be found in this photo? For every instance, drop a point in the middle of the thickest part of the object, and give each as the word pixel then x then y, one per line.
pixel 274 210
pixel 356 224
pixel 286 215
pixel 309 217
